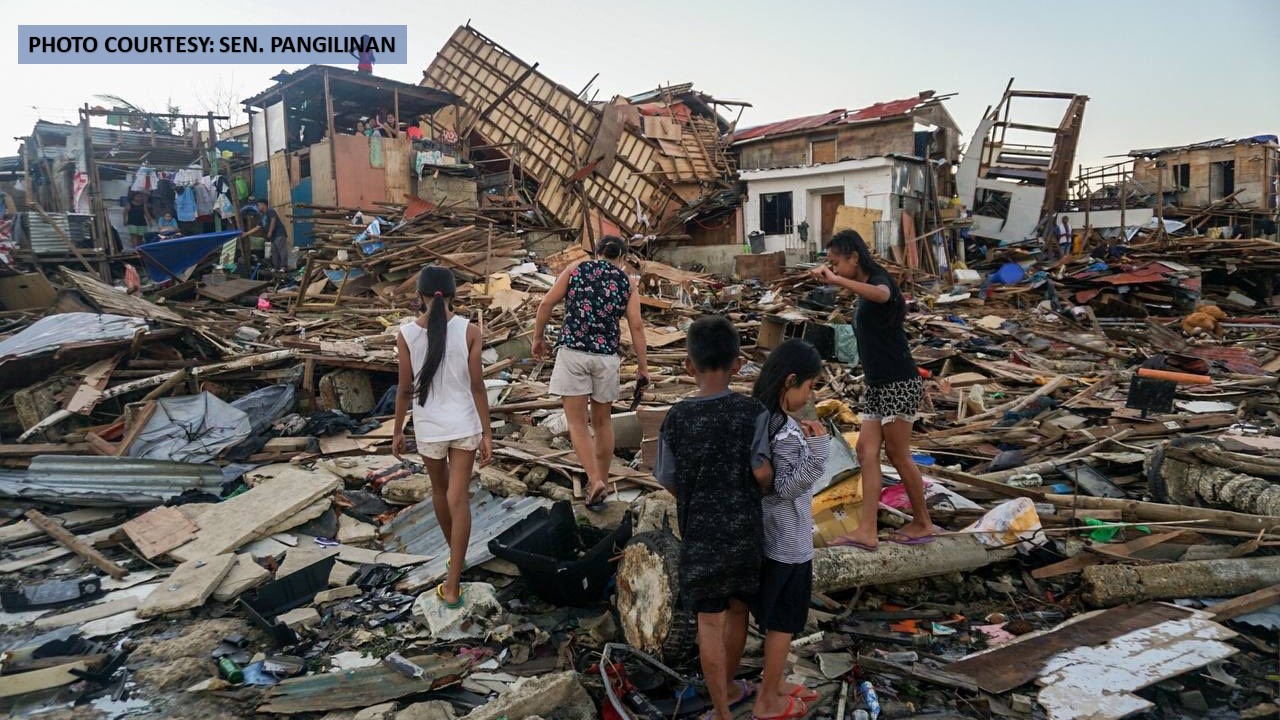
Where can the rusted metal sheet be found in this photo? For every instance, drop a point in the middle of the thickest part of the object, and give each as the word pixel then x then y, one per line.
pixel 362 687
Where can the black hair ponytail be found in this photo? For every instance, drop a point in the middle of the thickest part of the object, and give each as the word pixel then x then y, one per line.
pixel 437 287
pixel 793 357
pixel 610 247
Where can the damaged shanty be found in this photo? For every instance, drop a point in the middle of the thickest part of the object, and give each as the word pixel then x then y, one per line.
pixel 204 518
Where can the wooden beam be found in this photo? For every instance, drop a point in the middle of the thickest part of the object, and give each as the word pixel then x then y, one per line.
pixel 75 544
pixel 1245 604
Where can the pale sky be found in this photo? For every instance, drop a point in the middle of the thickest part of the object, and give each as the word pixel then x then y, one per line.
pixel 1158 72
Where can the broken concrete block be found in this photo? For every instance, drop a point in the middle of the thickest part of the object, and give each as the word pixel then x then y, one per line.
pixel 480 611
pixel 188 587
pixel 429 710
pixel 335 594
pixel 353 532
pixel 559 694
pixel 656 511
pixel 1107 585
pixel 385 711
pixel 300 557
pixel 407 491
pixel 299 618
pixel 341 574
pixel 245 575
pixel 502 483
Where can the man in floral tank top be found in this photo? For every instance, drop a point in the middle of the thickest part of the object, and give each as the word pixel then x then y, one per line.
pixel 596 294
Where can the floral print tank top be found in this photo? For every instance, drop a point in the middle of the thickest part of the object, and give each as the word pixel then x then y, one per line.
pixel 596 301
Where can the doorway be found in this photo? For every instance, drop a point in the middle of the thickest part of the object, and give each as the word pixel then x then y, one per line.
pixel 829 204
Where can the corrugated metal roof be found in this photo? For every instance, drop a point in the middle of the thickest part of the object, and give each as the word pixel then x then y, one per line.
pixel 45 239
pixel 1206 145
pixel 100 481
pixel 808 122
pixel 878 111
pixel 416 531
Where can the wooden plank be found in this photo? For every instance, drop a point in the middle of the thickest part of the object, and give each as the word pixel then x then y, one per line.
pixel 1245 604
pixel 25 529
pixel 231 289
pixel 246 517
pixel 159 530
pixel 90 389
pixel 46 679
pixel 140 421
pixel 88 614
pixel 1021 661
pixel 1084 560
pixel 188 587
pixel 75 544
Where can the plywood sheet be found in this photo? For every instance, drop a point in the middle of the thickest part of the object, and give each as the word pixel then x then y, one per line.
pixel 859 219
pixel 159 530
pixel 188 587
pixel 278 187
pixel 398 156
pixel 237 521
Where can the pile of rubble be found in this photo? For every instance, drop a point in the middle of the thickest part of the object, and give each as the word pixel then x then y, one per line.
pixel 205 518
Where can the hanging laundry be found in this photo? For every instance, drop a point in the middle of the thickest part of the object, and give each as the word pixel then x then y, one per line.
pixel 204 197
pixel 187 176
pixel 242 189
pixel 185 204
pixel 162 198
pixel 78 184
pixel 144 180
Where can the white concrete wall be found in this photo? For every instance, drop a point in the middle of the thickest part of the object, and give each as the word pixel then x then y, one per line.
pixel 718 259
pixel 866 183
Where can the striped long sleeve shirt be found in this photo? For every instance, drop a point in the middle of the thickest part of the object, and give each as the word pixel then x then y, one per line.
pixel 798 464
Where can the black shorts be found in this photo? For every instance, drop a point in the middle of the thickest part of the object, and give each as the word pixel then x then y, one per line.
pixel 717 604
pixel 783 602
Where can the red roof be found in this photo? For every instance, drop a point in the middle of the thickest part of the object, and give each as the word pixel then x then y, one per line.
pixel 879 111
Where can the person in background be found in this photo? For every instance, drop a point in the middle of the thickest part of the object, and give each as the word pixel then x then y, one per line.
pixel 389 127
pixel 167 223
pixel 798 452
pixel 1062 233
pixel 414 131
pixel 272 229
pixel 709 451
pixel 362 128
pixel 894 389
pixel 137 218
pixel 596 294
pixel 365 58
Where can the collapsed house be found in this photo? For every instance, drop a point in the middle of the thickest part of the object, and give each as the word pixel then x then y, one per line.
pixel 652 165
pixel 1016 173
pixel 884 170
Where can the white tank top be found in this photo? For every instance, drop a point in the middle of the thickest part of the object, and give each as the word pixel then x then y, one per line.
pixel 450 412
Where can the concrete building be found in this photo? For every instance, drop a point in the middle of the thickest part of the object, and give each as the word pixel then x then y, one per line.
pixel 864 169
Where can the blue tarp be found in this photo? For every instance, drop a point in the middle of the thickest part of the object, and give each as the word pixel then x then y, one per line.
pixel 181 254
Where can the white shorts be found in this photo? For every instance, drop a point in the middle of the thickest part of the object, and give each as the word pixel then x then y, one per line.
pixel 578 373
pixel 440 450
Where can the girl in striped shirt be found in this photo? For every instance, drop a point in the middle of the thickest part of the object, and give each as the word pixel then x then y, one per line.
pixel 799 455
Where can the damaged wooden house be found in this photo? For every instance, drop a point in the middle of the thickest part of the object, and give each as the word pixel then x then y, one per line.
pixel 1015 172
pixel 884 170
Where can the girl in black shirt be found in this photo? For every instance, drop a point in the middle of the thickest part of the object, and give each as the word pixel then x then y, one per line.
pixel 894 388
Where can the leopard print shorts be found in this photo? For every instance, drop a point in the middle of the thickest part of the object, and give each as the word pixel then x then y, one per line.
pixel 895 401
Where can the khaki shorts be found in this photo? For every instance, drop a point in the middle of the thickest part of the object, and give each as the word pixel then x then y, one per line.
pixel 440 450
pixel 577 373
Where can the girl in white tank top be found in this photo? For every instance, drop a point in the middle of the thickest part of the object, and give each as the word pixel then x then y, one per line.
pixel 442 384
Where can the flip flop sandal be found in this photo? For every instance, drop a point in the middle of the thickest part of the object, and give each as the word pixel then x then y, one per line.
pixel 748 691
pixel 451 605
pixel 791 712
pixel 805 695
pixel 901 539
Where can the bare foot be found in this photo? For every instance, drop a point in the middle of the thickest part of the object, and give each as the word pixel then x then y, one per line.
pixel 596 492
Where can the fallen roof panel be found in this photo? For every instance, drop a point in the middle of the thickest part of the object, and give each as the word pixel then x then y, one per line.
pixel 416 531
pixel 100 481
